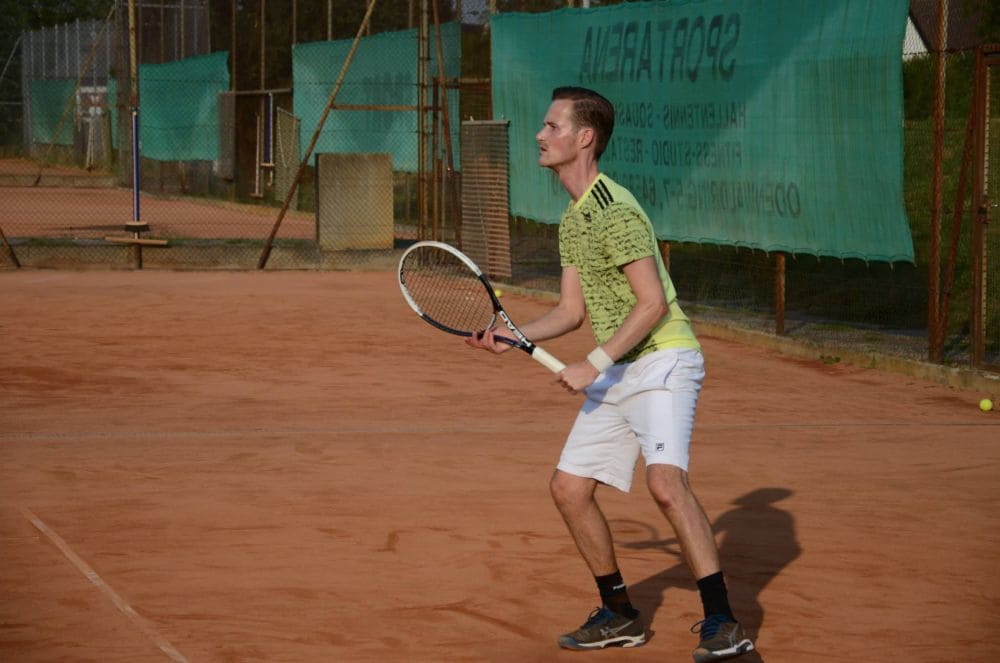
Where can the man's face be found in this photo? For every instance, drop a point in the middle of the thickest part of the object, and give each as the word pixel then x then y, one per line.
pixel 557 140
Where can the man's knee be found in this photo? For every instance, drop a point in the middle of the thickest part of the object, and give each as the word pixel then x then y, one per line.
pixel 668 484
pixel 570 492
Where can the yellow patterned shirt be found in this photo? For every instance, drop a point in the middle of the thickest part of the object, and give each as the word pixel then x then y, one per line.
pixel 602 232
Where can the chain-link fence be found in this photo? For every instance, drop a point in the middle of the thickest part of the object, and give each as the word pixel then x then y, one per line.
pixel 947 121
pixel 867 306
pixel 229 97
pixel 227 145
pixel 985 314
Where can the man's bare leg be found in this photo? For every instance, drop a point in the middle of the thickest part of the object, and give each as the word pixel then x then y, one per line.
pixel 616 623
pixel 720 635
pixel 574 497
pixel 669 486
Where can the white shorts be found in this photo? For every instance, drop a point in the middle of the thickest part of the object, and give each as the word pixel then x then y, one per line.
pixel 645 405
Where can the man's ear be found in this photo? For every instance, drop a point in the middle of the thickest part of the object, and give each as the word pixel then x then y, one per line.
pixel 586 136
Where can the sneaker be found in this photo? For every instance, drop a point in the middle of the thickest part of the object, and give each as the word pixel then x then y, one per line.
pixel 605 628
pixel 721 638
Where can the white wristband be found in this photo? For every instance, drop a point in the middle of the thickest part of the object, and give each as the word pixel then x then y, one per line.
pixel 600 359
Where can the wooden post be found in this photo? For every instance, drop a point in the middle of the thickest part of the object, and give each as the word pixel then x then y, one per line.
pixel 980 203
pixel 779 294
pixel 423 57
pixel 937 345
pixel 435 174
pixel 456 207
pixel 10 249
pixel 269 244
pixel 136 226
pixel 934 251
pixel 232 46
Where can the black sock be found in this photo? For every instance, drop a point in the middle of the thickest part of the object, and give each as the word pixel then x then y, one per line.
pixel 714 597
pixel 614 595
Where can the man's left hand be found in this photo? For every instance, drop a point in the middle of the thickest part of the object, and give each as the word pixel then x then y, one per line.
pixel 577 377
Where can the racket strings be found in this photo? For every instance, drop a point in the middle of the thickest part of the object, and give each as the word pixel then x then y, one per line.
pixel 447 291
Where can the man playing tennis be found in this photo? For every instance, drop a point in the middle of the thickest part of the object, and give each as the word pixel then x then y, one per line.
pixel 641 381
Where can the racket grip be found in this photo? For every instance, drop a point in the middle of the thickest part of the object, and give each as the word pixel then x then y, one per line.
pixel 547 360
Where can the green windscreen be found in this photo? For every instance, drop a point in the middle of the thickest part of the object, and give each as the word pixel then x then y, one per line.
pixel 382 73
pixel 772 125
pixel 179 107
pixel 49 100
pixel 53 101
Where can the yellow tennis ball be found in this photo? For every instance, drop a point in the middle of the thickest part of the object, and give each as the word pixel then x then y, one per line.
pixel 498 292
pixel 986 405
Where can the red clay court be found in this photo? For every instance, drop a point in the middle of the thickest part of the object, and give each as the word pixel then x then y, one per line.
pixel 291 466
pixel 76 203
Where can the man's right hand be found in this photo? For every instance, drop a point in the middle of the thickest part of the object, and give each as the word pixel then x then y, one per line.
pixel 487 340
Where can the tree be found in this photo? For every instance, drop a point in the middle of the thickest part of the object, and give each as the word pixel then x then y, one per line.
pixel 989 18
pixel 18 15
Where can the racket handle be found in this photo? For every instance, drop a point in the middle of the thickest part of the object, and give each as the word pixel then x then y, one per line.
pixel 547 360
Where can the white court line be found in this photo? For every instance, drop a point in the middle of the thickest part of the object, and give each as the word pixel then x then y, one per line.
pixel 92 576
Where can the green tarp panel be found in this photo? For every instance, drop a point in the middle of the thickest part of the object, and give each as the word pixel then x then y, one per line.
pixel 112 100
pixel 178 107
pixel 770 124
pixel 383 72
pixel 48 103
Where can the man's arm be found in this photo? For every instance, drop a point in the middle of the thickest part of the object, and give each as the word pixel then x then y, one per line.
pixel 563 318
pixel 566 316
pixel 649 309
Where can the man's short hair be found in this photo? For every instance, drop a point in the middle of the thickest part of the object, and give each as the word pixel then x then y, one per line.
pixel 592 110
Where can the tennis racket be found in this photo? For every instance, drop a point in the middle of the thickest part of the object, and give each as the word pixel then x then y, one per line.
pixel 450 292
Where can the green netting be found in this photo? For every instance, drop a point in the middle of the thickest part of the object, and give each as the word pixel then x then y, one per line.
pixel 112 102
pixel 179 107
pixel 383 72
pixel 48 103
pixel 772 125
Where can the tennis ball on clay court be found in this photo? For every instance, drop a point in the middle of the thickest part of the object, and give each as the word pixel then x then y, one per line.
pixel 986 405
pixel 498 292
